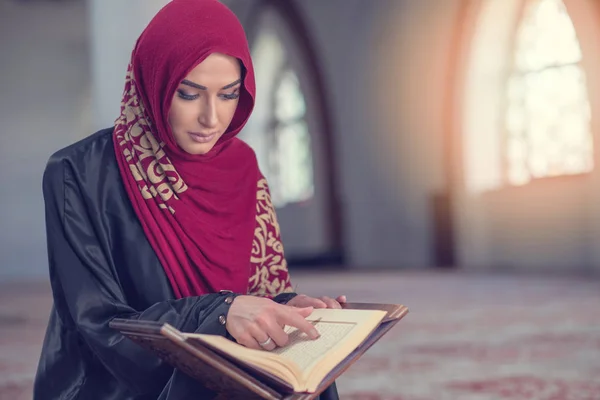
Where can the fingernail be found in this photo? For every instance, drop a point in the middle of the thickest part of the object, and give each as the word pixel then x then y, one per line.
pixel 315 334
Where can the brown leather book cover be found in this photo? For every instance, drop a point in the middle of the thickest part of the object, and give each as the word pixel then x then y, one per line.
pixel 230 377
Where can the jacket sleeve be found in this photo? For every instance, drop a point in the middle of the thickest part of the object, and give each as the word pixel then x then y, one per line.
pixel 88 295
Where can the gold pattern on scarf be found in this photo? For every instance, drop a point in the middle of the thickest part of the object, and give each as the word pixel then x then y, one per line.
pixel 270 273
pixel 135 138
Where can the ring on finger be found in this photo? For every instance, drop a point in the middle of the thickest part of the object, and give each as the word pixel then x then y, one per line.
pixel 266 342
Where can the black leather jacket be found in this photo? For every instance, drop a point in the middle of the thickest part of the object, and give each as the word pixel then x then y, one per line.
pixel 102 267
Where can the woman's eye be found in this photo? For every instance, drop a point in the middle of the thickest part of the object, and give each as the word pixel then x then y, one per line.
pixel 230 96
pixel 186 96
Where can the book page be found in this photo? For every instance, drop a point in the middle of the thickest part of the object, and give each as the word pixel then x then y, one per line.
pixel 341 332
pixel 304 351
pixel 358 317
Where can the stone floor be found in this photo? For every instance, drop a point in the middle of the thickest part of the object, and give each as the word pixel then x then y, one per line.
pixel 471 337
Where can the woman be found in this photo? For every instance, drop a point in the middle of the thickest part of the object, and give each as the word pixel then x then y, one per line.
pixel 165 217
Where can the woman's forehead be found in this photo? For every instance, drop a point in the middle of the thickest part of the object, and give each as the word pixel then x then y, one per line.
pixel 217 69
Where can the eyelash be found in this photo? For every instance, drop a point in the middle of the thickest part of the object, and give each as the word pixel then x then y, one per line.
pixel 231 96
pixel 190 97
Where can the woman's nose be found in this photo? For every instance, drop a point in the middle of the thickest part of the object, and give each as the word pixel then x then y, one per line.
pixel 208 115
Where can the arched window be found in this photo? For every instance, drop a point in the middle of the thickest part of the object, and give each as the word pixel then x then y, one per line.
pixel 548 129
pixel 527 113
pixel 291 132
pixel 279 130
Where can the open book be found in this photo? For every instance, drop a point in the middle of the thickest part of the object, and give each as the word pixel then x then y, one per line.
pixel 302 366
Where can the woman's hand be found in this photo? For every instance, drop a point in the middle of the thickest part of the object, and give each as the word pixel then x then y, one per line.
pixel 257 322
pixel 303 300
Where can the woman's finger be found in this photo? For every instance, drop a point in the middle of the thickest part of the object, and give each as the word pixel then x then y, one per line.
pixel 272 329
pixel 303 300
pixel 248 340
pixel 331 303
pixel 267 344
pixel 296 317
pixel 261 338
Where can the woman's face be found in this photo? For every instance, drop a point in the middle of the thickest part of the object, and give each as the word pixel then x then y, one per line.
pixel 204 103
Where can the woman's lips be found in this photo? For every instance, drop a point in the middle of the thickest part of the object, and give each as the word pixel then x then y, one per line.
pixel 202 137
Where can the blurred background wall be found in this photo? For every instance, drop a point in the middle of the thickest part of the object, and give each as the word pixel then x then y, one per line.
pixel 383 125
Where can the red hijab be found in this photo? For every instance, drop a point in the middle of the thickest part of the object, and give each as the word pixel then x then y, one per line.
pixel 198 211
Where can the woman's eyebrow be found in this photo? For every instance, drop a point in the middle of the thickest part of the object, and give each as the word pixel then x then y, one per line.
pixel 197 86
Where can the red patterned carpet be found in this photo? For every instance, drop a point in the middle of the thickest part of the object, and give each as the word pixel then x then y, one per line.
pixel 467 337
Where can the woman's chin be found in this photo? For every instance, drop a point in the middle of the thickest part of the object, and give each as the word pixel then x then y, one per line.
pixel 196 148
pixel 199 149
